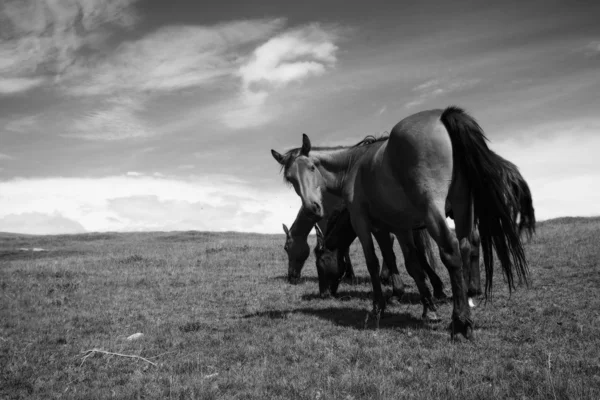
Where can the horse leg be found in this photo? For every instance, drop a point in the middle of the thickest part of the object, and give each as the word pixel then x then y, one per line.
pixel 349 268
pixel 450 253
pixel 423 245
pixel 389 258
pixel 385 271
pixel 363 231
pixel 412 261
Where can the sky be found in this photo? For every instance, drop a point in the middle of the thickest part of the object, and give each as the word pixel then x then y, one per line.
pixel 124 115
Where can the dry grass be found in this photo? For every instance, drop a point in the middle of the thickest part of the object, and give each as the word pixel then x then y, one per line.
pixel 220 321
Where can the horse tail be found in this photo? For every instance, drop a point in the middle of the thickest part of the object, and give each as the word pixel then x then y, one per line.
pixel 522 194
pixel 527 222
pixel 492 200
pixel 423 240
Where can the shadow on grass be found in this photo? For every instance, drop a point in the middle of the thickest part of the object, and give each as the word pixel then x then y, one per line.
pixel 346 295
pixel 349 317
pixel 303 280
pixel 359 280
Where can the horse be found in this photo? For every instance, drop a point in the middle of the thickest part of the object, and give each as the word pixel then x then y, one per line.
pixel 403 181
pixel 296 240
pixel 339 236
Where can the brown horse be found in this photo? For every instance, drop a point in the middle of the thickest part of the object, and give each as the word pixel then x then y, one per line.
pixel 296 238
pixel 339 236
pixel 402 182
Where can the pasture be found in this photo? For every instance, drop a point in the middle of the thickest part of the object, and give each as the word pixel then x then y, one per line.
pixel 220 321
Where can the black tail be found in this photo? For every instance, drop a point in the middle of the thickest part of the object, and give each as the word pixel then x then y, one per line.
pixel 527 222
pixel 492 200
pixel 520 190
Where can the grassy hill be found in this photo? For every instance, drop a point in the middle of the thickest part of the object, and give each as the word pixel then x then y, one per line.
pixel 220 321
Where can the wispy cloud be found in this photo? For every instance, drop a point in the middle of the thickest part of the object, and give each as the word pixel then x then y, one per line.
pixel 115 122
pixel 289 57
pixel 42 38
pixel 172 58
pixel 24 124
pixel 592 49
pixel 5 157
pixel 435 88
pixel 12 85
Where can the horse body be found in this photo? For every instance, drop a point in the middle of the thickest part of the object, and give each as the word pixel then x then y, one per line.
pixel 402 183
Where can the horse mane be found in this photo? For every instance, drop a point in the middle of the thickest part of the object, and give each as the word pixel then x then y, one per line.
pixel 292 154
pixel 370 139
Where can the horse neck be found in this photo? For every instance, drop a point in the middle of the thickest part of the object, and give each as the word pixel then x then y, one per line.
pixel 342 234
pixel 302 225
pixel 335 165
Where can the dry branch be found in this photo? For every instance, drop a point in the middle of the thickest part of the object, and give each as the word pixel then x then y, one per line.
pixel 88 353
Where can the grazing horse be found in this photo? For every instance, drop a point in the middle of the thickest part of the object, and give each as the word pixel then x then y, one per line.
pixel 296 238
pixel 340 235
pixel 402 182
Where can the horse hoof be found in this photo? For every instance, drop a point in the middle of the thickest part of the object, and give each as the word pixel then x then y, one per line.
pixel 464 328
pixel 377 313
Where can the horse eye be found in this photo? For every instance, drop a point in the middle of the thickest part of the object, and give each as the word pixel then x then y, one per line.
pixel 312 168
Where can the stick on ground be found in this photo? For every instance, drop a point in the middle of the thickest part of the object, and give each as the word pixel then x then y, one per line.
pixel 88 353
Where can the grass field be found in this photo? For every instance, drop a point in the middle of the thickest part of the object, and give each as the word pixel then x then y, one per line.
pixel 220 321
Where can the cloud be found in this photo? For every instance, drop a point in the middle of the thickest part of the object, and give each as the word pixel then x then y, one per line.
pixel 141 202
pixel 289 57
pixel 117 122
pixel 10 85
pixel 25 124
pixel 5 157
pixel 42 38
pixel 592 49
pixel 171 58
pixel 39 223
pixel 435 88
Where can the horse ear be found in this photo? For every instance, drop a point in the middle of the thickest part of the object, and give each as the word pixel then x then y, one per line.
pixel 278 157
pixel 305 144
pixel 320 236
pixel 286 230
